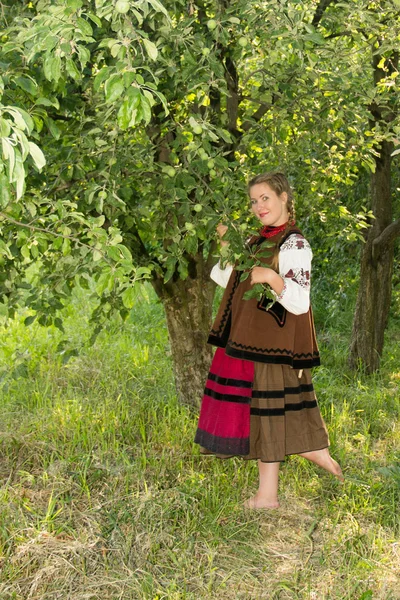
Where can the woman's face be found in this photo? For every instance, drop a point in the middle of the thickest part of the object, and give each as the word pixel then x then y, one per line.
pixel 270 208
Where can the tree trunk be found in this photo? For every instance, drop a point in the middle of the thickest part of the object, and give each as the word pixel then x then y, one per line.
pixel 188 309
pixel 374 294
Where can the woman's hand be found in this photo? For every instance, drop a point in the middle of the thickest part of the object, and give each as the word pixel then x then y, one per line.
pixel 269 276
pixel 221 230
pixel 260 275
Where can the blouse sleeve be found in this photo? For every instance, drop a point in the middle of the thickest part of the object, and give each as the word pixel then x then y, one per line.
pixel 295 258
pixel 221 276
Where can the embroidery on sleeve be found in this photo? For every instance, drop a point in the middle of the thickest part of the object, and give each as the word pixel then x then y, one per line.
pixel 300 276
pixel 281 295
pixel 296 242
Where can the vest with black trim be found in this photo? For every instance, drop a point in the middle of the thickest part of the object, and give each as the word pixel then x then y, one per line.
pixel 247 330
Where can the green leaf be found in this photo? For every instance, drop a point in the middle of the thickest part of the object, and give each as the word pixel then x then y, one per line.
pixel 59 324
pixel 53 128
pixel 170 264
pixel 52 67
pixel 72 69
pixel 125 252
pixel 158 7
pixel 255 292
pixel 128 297
pixel 47 102
pixel 183 269
pixel 317 38
pixel 37 155
pixel 4 191
pixel 74 4
pixel 142 272
pixel 114 87
pixel 22 119
pixel 225 135
pixel 9 155
pixel 5 127
pixel 84 55
pixel 128 111
pixel 95 19
pixel 151 48
pixel 27 84
pixel 101 77
pixel 20 371
pixel 193 123
pixel 104 282
pixel 146 110
pixel 114 253
pixel 84 26
pixel 163 101
pixel 23 143
pixel 29 320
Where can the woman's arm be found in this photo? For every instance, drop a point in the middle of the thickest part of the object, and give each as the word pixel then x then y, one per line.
pixel 219 275
pixel 292 285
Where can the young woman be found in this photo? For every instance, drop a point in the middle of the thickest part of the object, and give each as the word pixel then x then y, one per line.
pixel 259 400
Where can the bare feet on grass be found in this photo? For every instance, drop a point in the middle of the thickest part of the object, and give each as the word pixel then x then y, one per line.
pixel 258 502
pixel 267 493
pixel 323 459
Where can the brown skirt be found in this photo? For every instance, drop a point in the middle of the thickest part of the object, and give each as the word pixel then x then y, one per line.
pixel 284 414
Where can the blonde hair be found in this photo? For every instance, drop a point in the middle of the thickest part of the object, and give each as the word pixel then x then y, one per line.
pixel 279 183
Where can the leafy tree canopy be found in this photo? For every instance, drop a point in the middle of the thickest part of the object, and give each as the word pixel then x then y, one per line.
pixel 129 128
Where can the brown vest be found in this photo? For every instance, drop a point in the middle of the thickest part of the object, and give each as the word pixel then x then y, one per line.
pixel 248 331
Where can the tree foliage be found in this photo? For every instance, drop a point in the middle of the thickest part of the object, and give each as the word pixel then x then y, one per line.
pixel 129 130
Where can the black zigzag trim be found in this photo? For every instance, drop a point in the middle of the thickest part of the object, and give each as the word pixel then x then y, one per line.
pixel 244 347
pixel 226 313
pixel 228 381
pixel 273 350
pixel 306 363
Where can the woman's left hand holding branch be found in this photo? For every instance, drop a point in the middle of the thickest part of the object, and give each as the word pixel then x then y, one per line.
pixel 269 276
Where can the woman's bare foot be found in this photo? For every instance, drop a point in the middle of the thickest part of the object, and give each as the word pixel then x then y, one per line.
pixel 323 459
pixel 257 502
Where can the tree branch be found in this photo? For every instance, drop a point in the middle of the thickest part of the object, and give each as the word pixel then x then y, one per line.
pixel 232 101
pixel 321 8
pixel 53 233
pixel 390 233
pixel 257 116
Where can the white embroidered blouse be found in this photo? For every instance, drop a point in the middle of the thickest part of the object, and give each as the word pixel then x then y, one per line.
pixel 295 258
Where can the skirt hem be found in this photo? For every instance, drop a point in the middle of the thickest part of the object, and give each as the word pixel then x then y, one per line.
pixel 205 452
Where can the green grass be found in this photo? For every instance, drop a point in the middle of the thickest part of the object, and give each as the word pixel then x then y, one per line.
pixel 104 496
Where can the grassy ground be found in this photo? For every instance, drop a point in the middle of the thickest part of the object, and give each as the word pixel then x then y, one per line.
pixel 103 495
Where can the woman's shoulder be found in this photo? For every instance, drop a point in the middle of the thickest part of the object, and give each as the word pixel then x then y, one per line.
pixel 296 241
